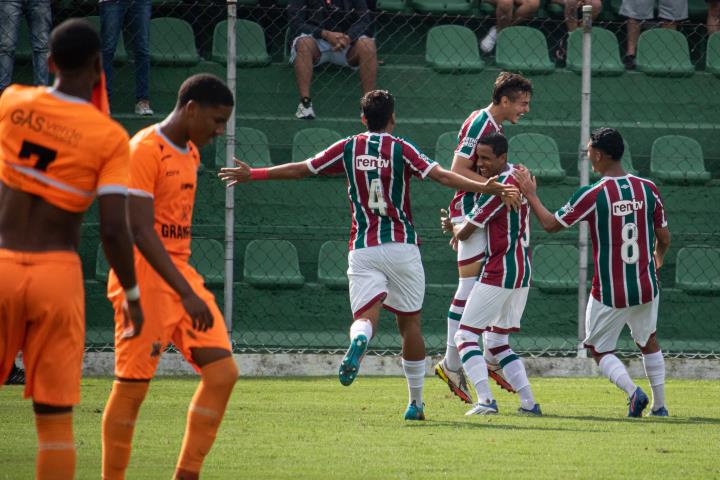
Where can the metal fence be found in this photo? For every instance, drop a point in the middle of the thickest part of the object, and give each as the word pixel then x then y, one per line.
pixel 289 291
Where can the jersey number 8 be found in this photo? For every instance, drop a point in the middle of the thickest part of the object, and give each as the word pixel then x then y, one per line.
pixel 630 250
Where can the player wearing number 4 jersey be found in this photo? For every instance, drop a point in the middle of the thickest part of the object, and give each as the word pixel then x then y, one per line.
pixel 57 152
pixel 630 239
pixel 497 300
pixel 510 101
pixel 384 259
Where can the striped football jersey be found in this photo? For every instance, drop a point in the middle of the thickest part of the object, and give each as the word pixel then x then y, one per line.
pixel 623 213
pixel 378 167
pixel 479 124
pixel 507 255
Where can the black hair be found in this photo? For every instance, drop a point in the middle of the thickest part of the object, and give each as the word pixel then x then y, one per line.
pixel 497 141
pixel 510 85
pixel 609 141
pixel 205 89
pixel 74 44
pixel 377 106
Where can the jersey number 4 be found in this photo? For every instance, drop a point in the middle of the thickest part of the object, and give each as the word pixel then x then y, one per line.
pixel 376 200
pixel 45 156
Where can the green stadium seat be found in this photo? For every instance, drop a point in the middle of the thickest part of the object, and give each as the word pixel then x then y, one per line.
pixel 272 264
pixel 712 55
pixel 172 42
pixel 450 7
pixel 678 159
pixel 537 152
pixel 664 53
pixel 250 47
pixel 487 8
pixel 251 146
pixel 452 48
pixel 309 141
pixel 208 258
pixel 626 160
pixel 445 149
pixel 121 55
pixel 333 264
pixel 555 268
pixel 697 270
pixel 605 59
pixel 392 5
pixel 102 268
pixel 523 49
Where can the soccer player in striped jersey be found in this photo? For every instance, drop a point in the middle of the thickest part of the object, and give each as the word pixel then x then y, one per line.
pixel 497 300
pixel 630 239
pixel 385 269
pixel 510 100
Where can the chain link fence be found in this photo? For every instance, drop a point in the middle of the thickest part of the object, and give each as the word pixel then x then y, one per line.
pixel 290 290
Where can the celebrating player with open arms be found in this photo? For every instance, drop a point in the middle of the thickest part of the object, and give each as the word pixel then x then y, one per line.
pixel 385 269
pixel 57 152
pixel 510 100
pixel 163 177
pixel 630 238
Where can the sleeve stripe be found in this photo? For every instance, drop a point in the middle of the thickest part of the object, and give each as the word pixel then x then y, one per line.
pixel 112 189
pixel 560 219
pixel 140 193
pixel 430 166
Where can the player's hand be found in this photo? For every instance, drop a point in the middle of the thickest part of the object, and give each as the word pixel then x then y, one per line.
pixel 197 309
pixel 526 180
pixel 239 174
pixel 132 319
pixel 454 243
pixel 445 223
pixel 512 199
pixel 658 260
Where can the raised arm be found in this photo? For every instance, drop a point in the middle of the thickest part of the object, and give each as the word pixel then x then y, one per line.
pixel 528 187
pixel 458 182
pixel 243 173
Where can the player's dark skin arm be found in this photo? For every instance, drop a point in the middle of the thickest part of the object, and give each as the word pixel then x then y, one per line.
pixel 142 220
pixel 528 187
pixel 118 247
pixel 662 244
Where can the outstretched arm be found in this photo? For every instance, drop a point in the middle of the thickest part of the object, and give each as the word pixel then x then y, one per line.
pixel 528 187
pixel 458 182
pixel 243 173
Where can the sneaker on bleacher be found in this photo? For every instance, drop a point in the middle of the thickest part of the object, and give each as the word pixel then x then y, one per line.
pixel 305 111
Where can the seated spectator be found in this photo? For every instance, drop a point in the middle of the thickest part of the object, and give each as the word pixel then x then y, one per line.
pixel 38 15
pixel 713 16
pixel 523 11
pixel 573 11
pixel 136 13
pixel 636 11
pixel 335 31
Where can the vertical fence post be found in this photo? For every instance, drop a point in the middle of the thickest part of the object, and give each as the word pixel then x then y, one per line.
pixel 583 165
pixel 229 161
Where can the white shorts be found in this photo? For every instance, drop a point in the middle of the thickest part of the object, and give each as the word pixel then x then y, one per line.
pixel 495 309
pixel 644 9
pixel 327 54
pixel 603 324
pixel 472 249
pixel 393 272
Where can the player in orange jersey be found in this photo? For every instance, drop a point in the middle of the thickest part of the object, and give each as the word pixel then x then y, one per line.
pixel 179 309
pixel 57 152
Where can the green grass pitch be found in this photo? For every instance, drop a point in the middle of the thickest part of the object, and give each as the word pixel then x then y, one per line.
pixel 291 428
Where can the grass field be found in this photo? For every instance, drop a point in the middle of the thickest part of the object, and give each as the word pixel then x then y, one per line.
pixel 312 428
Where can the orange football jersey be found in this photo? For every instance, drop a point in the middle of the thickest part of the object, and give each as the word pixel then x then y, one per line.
pixel 60 148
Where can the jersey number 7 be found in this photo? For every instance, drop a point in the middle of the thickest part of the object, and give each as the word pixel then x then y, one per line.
pixel 45 156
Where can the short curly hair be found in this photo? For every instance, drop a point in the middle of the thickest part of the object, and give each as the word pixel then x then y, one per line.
pixel 609 141
pixel 510 85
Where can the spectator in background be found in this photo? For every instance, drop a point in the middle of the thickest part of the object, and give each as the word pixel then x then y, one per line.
pixel 113 16
pixel 713 16
pixel 523 11
pixel 573 11
pixel 636 11
pixel 335 31
pixel 39 17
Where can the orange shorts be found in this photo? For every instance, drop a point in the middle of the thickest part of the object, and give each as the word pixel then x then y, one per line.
pixel 42 313
pixel 165 321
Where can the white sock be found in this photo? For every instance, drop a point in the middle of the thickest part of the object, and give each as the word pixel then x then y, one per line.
pixel 655 371
pixel 361 326
pixel 457 307
pixel 474 363
pixel 492 32
pixel 415 375
pixel 493 340
pixel 614 369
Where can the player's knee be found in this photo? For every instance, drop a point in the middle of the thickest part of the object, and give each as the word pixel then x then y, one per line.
pixel 223 375
pixel 305 46
pixel 465 336
pixel 366 47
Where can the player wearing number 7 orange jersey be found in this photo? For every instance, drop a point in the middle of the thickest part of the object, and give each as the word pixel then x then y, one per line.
pixel 57 152
pixel 630 238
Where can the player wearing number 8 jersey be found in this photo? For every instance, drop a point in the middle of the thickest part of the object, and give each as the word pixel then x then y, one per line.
pixel 384 260
pixel 57 153
pixel 630 237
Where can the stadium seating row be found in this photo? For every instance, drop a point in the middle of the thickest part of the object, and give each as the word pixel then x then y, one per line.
pixel 275 264
pixel 674 158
